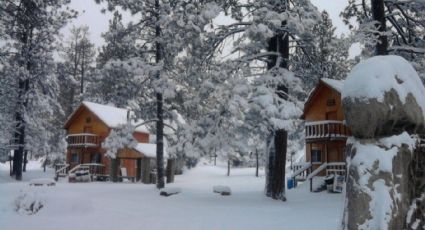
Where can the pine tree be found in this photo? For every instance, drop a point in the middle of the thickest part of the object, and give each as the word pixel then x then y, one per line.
pixel 30 27
pixel 78 54
pixel 403 28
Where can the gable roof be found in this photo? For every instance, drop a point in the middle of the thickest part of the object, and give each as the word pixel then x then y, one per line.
pixel 111 116
pixel 333 84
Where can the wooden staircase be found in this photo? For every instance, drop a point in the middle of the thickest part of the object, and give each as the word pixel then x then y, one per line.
pixel 61 170
pixel 303 172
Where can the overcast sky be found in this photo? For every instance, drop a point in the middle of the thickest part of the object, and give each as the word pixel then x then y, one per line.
pixel 98 23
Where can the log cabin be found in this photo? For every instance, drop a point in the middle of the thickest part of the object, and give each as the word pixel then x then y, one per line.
pixel 325 132
pixel 89 125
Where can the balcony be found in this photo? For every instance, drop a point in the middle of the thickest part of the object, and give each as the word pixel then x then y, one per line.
pixel 326 130
pixel 83 140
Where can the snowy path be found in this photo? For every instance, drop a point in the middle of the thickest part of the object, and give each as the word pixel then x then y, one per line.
pixel 100 206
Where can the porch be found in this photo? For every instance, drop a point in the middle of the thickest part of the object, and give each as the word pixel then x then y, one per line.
pixel 326 130
pixel 83 140
pixel 306 172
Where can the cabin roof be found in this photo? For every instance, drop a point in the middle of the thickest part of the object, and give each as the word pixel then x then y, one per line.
pixel 148 150
pixel 111 116
pixel 333 84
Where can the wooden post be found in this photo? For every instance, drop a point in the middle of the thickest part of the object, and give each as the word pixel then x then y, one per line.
pixel 138 168
pixel 146 170
pixel 228 167
pixel 171 167
pixel 257 162
pixel 24 168
pixel 311 184
pixel 114 169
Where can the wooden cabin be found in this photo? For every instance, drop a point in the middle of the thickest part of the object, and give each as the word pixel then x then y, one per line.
pixel 89 125
pixel 325 130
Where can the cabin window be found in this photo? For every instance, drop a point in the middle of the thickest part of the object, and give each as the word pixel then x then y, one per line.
pixel 316 156
pixel 96 158
pixel 331 102
pixel 74 158
pixel 88 119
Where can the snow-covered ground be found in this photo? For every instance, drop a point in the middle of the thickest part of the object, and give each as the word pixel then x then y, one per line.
pixel 102 206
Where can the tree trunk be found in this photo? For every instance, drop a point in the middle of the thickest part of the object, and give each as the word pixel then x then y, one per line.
pixel 20 130
pixel 275 176
pixel 159 113
pixel 171 168
pixel 378 13
pixel 113 173
pixel 24 168
pixel 138 169
pixel 146 167
pixel 256 162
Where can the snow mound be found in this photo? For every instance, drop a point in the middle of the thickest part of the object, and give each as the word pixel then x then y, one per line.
pixel 374 77
pixel 42 182
pixel 29 202
pixel 223 190
pixel 169 191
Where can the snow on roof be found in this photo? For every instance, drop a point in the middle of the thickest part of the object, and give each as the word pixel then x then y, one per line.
pixel 149 150
pixel 335 84
pixel 112 116
pixel 373 77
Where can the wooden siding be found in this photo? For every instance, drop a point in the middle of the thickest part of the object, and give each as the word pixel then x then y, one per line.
pixel 84 120
pixel 317 107
pixel 141 137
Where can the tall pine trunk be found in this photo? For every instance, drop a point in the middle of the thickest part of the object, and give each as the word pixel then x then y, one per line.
pixel 23 17
pixel 276 144
pixel 159 111
pixel 378 13
pixel 24 168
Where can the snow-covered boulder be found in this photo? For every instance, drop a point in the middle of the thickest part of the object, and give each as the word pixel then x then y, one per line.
pixel 223 190
pixel 169 191
pixel 382 96
pixel 378 187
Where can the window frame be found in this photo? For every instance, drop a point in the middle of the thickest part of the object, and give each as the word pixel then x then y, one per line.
pixel 314 159
pixel 75 158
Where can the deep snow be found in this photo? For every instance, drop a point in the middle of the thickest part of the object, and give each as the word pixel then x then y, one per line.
pixel 101 206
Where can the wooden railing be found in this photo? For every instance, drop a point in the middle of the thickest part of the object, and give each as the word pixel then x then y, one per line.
pixel 82 140
pixel 93 168
pixel 337 168
pixel 61 170
pixel 326 129
pixel 301 171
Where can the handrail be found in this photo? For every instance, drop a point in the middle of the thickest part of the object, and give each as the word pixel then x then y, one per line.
pixel 83 139
pixel 64 167
pixel 317 171
pixel 301 170
pixel 322 122
pixel 81 134
pixel 78 167
pixel 324 166
pixel 326 129
pixel 87 166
